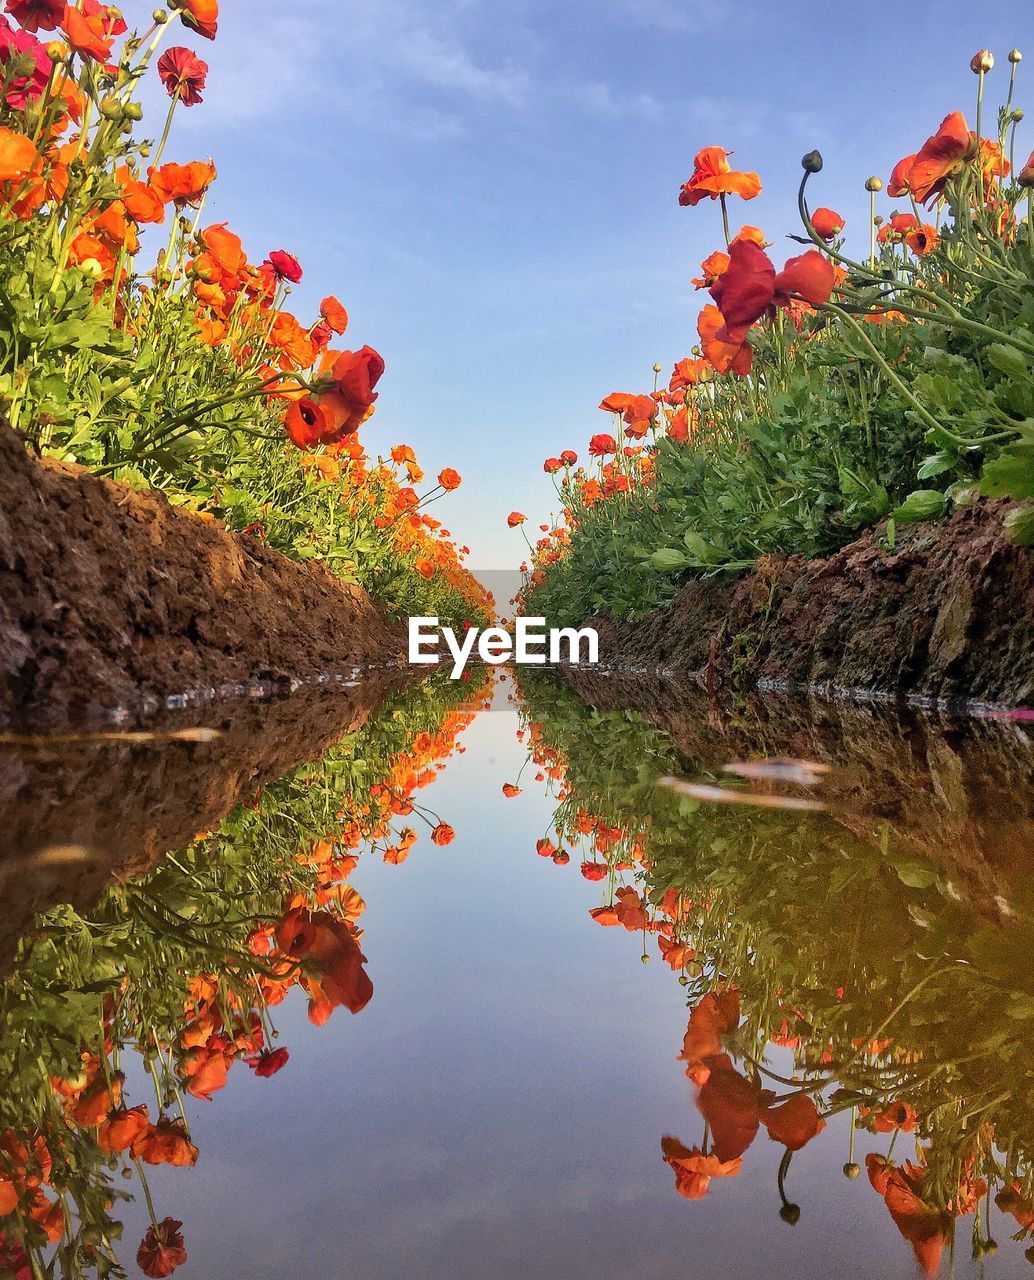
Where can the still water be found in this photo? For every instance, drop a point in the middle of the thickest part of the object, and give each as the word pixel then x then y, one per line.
pixel 825 1067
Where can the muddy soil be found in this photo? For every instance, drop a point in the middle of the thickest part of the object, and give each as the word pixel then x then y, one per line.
pixel 76 817
pixel 959 792
pixel 113 598
pixel 948 615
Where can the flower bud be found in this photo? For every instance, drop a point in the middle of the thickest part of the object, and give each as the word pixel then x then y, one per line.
pixel 645 958
pixel 981 62
pixel 134 111
pixel 874 184
pixel 791 1213
pixel 879 220
pixel 111 108
pixel 657 368
pixel 812 162
pixel 1015 56
pixel 56 51
pixel 161 17
pixel 852 1170
pixel 1017 114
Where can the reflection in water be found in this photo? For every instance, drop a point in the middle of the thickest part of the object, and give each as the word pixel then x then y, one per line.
pixel 896 1000
pixel 183 968
pixel 858 984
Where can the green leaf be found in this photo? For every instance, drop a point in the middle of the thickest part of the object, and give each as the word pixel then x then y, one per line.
pixel 921 504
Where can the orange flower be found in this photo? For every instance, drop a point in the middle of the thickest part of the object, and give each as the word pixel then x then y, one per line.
pixel 714 1016
pixel 183 183
pixel 202 15
pixel 754 234
pixel 687 373
pixel 923 240
pixel 941 157
pixel 225 247
pixel 18 154
pixel 710 269
pixel 794 1122
pixel 335 314
pixel 898 184
pixel 510 789
pixel 712 177
pixel 121 1129
pixel 161 1250
pixel 166 1143
pixel 91 29
pixel 1010 1200
pixel 724 356
pixel 827 223
pixel 899 1115
pixel 449 479
pixel 810 276
pixel 640 416
pixel 516 518
pixel 923 1225
pixel 443 834
pixel 693 1170
pixel 142 202
pixel 329 946
pixel 425 567
pixel 96 1100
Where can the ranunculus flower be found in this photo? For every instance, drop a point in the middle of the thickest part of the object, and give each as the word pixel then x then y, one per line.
pixel 92 28
pixel 744 291
pixel 600 446
pixel 183 74
pixel 449 479
pixel 723 355
pixel 794 1122
pixel 443 834
pixel 17 155
pixel 712 177
pixel 182 183
pixel 36 15
pixel 569 458
pixel 306 423
pixel 268 1062
pixel 30 86
pixel 121 1129
pixel 710 269
pixel 286 266
pixel 166 1142
pixel 551 466
pixel 941 156
pixel 810 276
pixel 202 15
pixel 335 314
pixel 898 184
pixel 693 1170
pixel 161 1250
pixel 827 223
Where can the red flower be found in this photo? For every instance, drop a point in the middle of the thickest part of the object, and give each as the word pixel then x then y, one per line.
pixel 161 1250
pixel 286 266
pixel 335 314
pixel 306 423
pixel 166 1142
pixel 827 223
pixel 731 1105
pixel 1025 177
pixel 329 947
pixel 602 445
pixel 898 184
pixel 794 1122
pixel 810 276
pixel 640 415
pixel 91 29
pixel 510 789
pixel 744 291
pixel 595 871
pixel 923 1225
pixel 516 518
pixel 569 458
pixel 202 15
pixel 183 75
pixel 34 15
pixel 355 374
pixel 941 156
pixel 712 177
pixel 268 1062
pixel 121 1129
pixel 714 1016
pixel 899 1115
pixel 551 466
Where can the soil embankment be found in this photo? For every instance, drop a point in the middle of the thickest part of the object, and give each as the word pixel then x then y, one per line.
pixel 113 598
pixel 947 614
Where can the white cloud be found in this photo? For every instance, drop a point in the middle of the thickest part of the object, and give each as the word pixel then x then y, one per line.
pixel 600 100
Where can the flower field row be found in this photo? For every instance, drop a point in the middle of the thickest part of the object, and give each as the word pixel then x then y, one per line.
pixel 182 367
pixel 890 382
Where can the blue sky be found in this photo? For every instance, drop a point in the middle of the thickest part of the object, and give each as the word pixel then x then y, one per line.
pixel 491 187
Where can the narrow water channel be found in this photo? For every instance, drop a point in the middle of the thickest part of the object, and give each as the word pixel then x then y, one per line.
pixel 544 1014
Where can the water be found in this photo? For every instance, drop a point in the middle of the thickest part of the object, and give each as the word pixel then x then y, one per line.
pixel 498 1106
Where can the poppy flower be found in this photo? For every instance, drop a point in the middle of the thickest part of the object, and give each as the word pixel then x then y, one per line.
pixel 898 184
pixel 923 240
pixel 630 910
pixel 711 268
pixel 923 1225
pixel 687 373
pixel 91 28
pixel 8 1196
pixel 268 1062
pixel 183 75
pixel 202 15
pixel 207 1069
pixel 879 1169
pixel 744 291
pixel 693 1170
pixel 121 1129
pixel 897 227
pixel 600 446
pixel 731 1105
pixel 516 518
pixel 941 156
pixel 449 479
pixel 335 314
pixel 754 234
pixel 166 1142
pixel 161 1250
pixel 96 1100
pixel 810 276
pixel 713 177
pixel 286 266
pixel 36 15
pixel 443 834
pixel 793 1123
pixel 827 223
pixel 17 155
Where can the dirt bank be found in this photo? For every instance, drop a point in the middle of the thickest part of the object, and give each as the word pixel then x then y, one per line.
pixel 75 817
pixel 959 792
pixel 110 597
pixel 948 615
